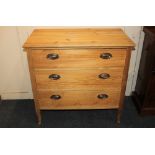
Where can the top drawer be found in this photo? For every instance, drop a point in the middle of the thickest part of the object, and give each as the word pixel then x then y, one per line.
pixel 78 58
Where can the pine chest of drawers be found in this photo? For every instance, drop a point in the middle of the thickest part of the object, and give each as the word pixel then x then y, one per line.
pixel 83 68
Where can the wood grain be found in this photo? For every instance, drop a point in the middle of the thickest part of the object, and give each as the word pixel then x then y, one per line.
pixel 79 65
pixel 78 100
pixel 79 37
pixel 123 85
pixel 75 58
pixel 79 79
pixel 34 86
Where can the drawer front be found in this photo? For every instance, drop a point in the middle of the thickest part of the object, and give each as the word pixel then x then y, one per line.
pixel 78 99
pixel 89 79
pixel 78 58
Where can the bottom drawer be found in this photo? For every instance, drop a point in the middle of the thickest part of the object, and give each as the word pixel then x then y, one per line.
pixel 78 99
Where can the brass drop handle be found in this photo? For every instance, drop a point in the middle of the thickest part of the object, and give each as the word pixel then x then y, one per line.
pixel 52 56
pixel 104 76
pixel 106 56
pixel 102 96
pixel 55 97
pixel 54 76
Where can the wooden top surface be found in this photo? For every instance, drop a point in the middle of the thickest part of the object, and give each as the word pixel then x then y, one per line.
pixel 81 37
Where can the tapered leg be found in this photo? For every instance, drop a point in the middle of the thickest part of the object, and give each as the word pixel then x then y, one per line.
pixel 34 88
pixel 38 113
pixel 123 86
pixel 38 117
pixel 118 117
pixel 0 100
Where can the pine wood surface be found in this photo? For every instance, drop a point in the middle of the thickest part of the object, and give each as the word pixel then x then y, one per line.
pixel 79 79
pixel 78 99
pixel 75 58
pixel 82 37
pixel 79 65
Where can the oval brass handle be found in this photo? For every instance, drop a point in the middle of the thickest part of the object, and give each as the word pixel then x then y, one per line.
pixel 104 76
pixel 54 76
pixel 55 97
pixel 106 56
pixel 102 96
pixel 52 56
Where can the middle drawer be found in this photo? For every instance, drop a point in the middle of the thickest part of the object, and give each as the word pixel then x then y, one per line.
pixel 77 79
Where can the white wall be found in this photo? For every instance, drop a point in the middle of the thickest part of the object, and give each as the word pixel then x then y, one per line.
pixel 14 78
pixel 134 32
pixel 14 74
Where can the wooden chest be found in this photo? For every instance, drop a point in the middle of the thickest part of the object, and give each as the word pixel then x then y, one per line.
pixel 83 68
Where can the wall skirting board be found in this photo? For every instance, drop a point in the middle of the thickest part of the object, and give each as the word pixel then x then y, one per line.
pixel 15 81
pixel 17 95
